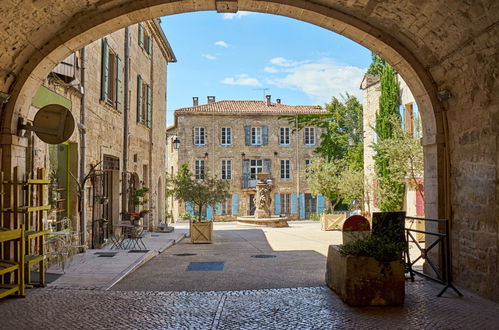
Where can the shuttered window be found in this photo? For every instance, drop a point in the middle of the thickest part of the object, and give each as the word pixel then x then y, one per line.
pixel 144 102
pixel 111 76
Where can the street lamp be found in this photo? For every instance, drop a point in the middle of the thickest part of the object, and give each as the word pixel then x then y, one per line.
pixel 176 143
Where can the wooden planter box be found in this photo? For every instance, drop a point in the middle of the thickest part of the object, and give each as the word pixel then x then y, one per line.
pixel 201 232
pixel 332 221
pixel 364 281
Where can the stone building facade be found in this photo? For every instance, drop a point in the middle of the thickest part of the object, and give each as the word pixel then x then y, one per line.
pixel 408 110
pixel 119 107
pixel 235 140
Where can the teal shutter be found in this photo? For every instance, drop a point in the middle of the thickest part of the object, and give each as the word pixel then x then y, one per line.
pixel 320 204
pixel 235 204
pixel 266 165
pixel 149 106
pixel 247 135
pixel 246 173
pixel 294 203
pixel 402 115
pixel 416 121
pixel 189 208
pixel 119 79
pixel 277 203
pixel 139 99
pixel 302 206
pixel 105 70
pixel 265 135
pixel 149 46
pixel 141 36
pixel 218 209
pixel 209 212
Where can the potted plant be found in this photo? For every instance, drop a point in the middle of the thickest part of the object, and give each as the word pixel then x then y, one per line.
pixel 199 193
pixel 368 271
pixel 139 200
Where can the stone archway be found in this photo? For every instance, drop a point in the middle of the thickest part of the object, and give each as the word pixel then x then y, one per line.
pixel 446 51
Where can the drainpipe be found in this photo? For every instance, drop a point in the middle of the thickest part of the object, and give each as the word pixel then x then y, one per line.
pixel 126 110
pixel 298 202
pixel 151 143
pixel 83 148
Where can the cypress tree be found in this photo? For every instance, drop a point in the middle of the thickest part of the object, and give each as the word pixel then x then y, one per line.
pixel 391 192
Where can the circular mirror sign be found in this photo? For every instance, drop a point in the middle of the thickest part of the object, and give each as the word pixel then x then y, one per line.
pixel 53 124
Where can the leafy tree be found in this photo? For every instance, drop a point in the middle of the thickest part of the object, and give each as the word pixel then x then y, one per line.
pixel 391 189
pixel 341 147
pixel 201 193
pixel 376 66
pixel 324 177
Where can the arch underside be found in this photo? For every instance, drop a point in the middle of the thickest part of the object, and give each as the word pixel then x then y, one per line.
pixel 436 46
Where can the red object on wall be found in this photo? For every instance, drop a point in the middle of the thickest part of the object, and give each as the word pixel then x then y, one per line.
pixel 419 200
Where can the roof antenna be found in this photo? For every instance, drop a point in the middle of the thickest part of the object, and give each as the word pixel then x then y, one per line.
pixel 264 90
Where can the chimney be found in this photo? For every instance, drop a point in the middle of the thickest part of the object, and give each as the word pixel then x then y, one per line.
pixel 269 102
pixel 211 99
pixel 195 101
pixel 278 101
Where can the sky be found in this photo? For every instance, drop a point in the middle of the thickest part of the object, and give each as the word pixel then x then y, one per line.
pixel 236 56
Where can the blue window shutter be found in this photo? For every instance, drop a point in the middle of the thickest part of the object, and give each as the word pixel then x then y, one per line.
pixel 302 206
pixel 415 115
pixel 401 114
pixel 209 212
pixel 141 36
pixel 189 208
pixel 149 106
pixel 235 204
pixel 320 204
pixel 294 209
pixel 105 70
pixel 119 79
pixel 139 99
pixel 247 135
pixel 265 135
pixel 266 165
pixel 218 210
pixel 277 203
pixel 246 172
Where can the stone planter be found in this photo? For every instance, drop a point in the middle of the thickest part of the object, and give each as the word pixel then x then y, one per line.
pixel 364 281
pixel 332 221
pixel 201 232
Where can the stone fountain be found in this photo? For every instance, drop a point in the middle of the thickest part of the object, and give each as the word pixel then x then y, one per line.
pixel 263 200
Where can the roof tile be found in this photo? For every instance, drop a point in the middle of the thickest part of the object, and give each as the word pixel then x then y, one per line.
pixel 237 106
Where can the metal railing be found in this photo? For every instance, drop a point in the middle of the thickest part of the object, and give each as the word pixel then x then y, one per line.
pixel 441 241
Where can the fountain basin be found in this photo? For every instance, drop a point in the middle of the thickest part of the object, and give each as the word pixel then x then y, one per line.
pixel 275 222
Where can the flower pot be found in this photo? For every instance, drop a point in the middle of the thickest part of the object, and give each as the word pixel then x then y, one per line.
pixel 201 232
pixel 364 281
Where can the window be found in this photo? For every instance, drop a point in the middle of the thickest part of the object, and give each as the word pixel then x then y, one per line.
pixel 226 207
pixel 144 102
pixel 309 136
pixel 307 162
pixel 110 163
pixel 226 136
pixel 111 76
pixel 285 169
pixel 284 136
pixel 408 119
pixel 199 169
pixel 256 166
pixel 256 136
pixel 285 203
pixel 199 137
pixel 226 169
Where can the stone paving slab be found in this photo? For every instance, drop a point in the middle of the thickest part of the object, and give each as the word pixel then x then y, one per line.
pixel 289 308
pixel 89 271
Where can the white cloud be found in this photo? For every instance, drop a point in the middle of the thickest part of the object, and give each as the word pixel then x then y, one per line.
pixel 238 15
pixel 270 69
pixel 222 43
pixel 209 56
pixel 242 80
pixel 281 61
pixel 321 80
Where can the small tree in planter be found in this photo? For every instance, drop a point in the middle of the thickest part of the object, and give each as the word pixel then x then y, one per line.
pixel 200 193
pixel 139 200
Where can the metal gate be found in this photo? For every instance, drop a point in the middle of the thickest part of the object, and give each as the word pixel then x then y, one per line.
pixel 102 190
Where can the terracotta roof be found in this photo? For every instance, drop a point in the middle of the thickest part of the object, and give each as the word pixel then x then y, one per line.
pixel 231 106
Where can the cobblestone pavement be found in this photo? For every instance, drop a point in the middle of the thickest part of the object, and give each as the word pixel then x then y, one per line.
pixel 292 308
